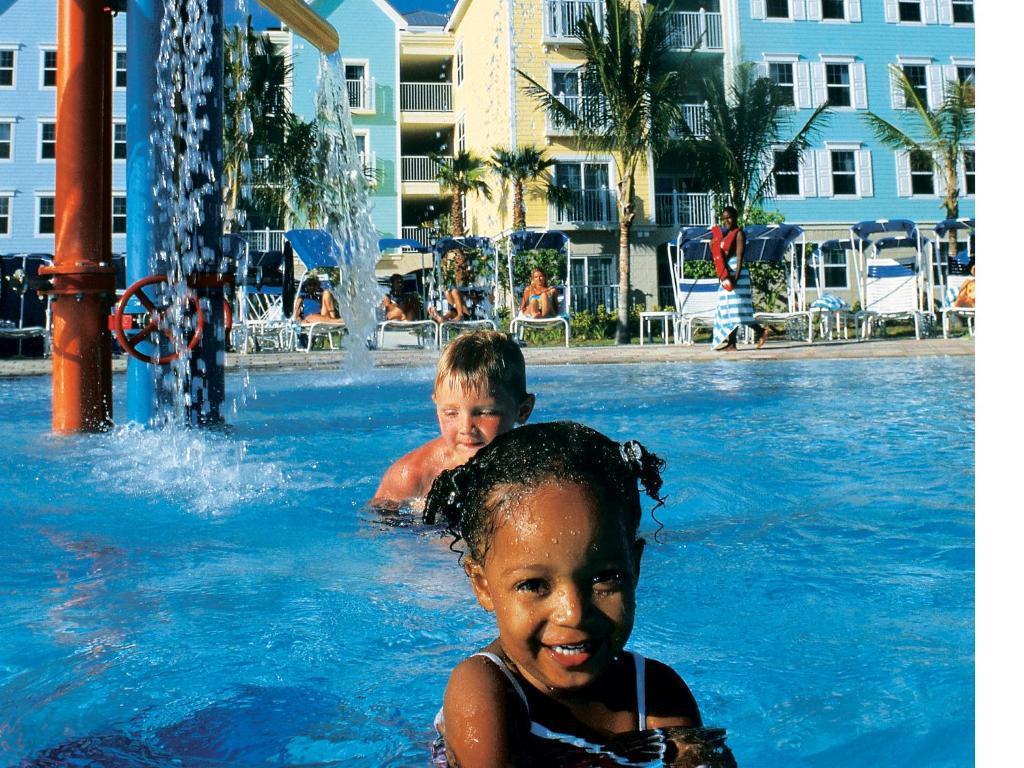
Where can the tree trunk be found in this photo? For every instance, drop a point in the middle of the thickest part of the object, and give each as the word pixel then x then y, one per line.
pixel 627 211
pixel 952 203
pixel 518 206
pixel 456 258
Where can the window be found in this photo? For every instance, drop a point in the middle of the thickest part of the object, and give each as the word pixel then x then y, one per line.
pixel 837 81
pixel 120 69
pixel 833 267
pixel 6 139
pixel 969 171
pixel 786 174
pixel 777 9
pixel 844 172
pixel 5 215
pixel 459 70
pixel 460 134
pixel 833 9
pixel 355 81
pixel 594 283
pixel 910 11
pixel 922 181
pixel 8 58
pixel 917 74
pixel 781 74
pixel 120 141
pixel 119 211
pixel 963 11
pixel 47 140
pixel 46 216
pixel 965 73
pixel 586 193
pixel 48 69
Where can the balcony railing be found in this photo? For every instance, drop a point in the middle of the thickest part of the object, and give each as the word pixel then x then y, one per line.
pixel 684 209
pixel 696 117
pixel 421 234
pixel 264 239
pixel 562 17
pixel 427 97
pixel 586 206
pixel 421 168
pixel 591 109
pixel 701 28
pixel 360 94
pixel 590 297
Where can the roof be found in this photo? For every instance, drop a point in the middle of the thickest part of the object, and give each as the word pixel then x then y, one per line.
pixel 425 19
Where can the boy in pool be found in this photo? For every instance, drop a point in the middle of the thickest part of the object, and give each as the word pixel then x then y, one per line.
pixel 548 516
pixel 480 393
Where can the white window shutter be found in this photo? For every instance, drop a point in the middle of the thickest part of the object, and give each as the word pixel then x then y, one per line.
pixel 814 10
pixel 945 11
pixel 931 15
pixel 935 86
pixel 938 175
pixel 902 173
pixel 807 185
pixel 899 99
pixel 853 11
pixel 948 75
pixel 892 11
pixel 758 9
pixel 797 10
pixel 802 82
pixel 824 163
pixel 865 184
pixel 373 94
pixel 818 86
pixel 859 80
pixel 762 69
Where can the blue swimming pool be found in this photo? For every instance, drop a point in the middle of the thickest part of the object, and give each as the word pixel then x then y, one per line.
pixel 224 599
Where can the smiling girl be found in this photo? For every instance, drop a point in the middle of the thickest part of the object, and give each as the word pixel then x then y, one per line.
pixel 549 515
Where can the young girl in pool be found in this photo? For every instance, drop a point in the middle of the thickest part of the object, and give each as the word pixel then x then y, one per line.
pixel 548 514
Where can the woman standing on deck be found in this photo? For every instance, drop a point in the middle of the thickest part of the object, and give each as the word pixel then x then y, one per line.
pixel 735 300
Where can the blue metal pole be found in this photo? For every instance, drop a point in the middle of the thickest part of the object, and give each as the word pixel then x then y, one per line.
pixel 143 26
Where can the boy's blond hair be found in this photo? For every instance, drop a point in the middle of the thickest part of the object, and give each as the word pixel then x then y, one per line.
pixel 484 360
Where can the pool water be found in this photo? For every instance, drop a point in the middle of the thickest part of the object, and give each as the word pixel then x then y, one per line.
pixel 224 598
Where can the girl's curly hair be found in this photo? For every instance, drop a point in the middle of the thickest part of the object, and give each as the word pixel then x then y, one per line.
pixel 463 499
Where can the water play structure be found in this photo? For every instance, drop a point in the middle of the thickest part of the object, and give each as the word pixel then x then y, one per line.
pixel 174 221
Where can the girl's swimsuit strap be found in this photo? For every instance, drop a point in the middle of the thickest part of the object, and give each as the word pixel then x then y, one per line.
pixel 500 664
pixel 641 691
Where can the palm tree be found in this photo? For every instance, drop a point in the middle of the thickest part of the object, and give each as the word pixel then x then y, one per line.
pixel 939 133
pixel 744 125
pixel 463 174
pixel 521 167
pixel 632 92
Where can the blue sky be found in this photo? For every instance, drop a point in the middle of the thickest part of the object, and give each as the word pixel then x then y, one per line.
pixel 263 18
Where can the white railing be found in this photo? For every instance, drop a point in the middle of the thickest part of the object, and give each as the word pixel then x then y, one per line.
pixel 684 209
pixel 562 17
pixel 264 239
pixel 368 162
pixel 590 108
pixel 586 206
pixel 688 28
pixel 421 168
pixel 696 118
pixel 360 94
pixel 427 97
pixel 420 234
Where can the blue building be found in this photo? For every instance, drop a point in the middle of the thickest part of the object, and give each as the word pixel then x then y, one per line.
pixel 28 126
pixel 840 51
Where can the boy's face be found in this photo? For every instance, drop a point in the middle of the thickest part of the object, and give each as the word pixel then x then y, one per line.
pixel 560 576
pixel 471 418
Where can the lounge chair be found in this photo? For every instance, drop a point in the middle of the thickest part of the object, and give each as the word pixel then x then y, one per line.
pixel 422 329
pixel 829 313
pixel 261 322
pixel 955 272
pixel 317 250
pixel 519 243
pixel 783 244
pixel 478 296
pixel 24 314
pixel 696 304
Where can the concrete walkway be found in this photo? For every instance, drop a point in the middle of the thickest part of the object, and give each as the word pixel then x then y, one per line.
pixel 649 353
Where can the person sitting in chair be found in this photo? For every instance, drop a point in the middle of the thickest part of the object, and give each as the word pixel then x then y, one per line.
pixel 310 294
pixel 539 298
pixel 400 304
pixel 457 309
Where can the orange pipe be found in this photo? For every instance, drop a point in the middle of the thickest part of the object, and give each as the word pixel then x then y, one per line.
pixel 83 280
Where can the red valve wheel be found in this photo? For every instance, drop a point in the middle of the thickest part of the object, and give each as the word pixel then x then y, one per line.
pixel 229 318
pixel 156 315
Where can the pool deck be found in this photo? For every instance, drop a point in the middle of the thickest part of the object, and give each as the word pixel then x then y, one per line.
pixel 590 355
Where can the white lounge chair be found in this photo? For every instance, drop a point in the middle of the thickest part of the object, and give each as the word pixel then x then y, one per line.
pixel 418 329
pixel 519 243
pixel 949 308
pixel 891 292
pixel 696 304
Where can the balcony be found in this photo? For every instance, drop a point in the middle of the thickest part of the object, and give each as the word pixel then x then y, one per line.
pixel 586 207
pixel 562 18
pixel 360 95
pixel 695 28
pixel 426 97
pixel 696 117
pixel 421 168
pixel 684 209
pixel 590 108
pixel 422 235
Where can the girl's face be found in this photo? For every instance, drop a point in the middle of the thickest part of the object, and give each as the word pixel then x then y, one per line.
pixel 539 278
pixel 560 576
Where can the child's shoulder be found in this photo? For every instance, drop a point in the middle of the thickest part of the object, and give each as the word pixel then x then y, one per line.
pixel 483 716
pixel 669 700
pixel 411 475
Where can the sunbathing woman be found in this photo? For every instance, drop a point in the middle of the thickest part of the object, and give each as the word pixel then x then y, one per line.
pixel 457 309
pixel 399 304
pixel 539 299
pixel 312 291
